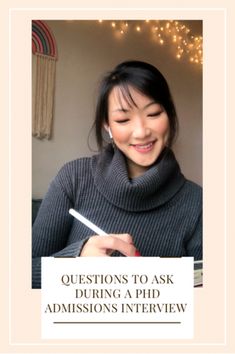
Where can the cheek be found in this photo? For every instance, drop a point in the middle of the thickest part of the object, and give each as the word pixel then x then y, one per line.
pixel 120 134
pixel 162 127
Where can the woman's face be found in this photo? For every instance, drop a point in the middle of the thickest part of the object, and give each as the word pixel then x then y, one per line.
pixel 140 131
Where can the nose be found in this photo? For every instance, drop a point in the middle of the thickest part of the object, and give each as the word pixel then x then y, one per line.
pixel 140 129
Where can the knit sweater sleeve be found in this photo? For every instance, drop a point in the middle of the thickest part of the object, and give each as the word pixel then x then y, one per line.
pixel 52 225
pixel 194 244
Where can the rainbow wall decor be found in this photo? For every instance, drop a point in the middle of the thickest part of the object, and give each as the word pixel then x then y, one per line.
pixel 44 48
pixel 43 41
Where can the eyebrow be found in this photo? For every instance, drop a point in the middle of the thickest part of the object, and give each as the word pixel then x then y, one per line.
pixel 127 110
pixel 120 110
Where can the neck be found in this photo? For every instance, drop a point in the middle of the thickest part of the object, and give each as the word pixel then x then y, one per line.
pixel 135 170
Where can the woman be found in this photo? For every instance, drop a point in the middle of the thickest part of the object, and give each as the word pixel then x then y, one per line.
pixel 133 189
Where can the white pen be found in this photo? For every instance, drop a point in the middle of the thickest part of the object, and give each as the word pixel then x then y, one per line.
pixel 88 223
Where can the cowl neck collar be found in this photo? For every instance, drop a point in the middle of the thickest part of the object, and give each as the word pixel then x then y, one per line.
pixel 148 191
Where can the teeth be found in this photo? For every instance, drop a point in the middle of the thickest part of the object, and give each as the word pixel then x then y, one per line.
pixel 144 146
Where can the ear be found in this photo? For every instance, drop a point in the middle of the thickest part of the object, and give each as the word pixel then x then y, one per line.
pixel 107 128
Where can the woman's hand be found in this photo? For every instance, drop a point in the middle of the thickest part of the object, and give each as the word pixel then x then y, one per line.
pixel 104 246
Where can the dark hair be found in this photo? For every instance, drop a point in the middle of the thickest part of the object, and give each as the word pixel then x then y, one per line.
pixel 143 77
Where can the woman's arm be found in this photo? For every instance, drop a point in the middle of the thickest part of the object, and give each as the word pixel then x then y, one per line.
pixel 194 244
pixel 52 227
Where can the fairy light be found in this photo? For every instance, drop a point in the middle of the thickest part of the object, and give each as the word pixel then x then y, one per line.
pixel 123 28
pixel 172 33
pixel 178 35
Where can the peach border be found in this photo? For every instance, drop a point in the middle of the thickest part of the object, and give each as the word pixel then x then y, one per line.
pixel 222 155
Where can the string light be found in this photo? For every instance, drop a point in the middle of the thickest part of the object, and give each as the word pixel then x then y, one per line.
pixel 180 37
pixel 171 32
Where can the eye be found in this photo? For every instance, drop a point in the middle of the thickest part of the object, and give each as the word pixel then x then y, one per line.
pixel 155 114
pixel 122 121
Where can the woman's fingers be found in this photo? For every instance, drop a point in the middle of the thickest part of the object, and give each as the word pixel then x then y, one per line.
pixel 106 245
pixel 125 237
pixel 120 242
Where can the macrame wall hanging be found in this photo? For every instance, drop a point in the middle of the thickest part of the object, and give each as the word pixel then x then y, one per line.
pixel 44 48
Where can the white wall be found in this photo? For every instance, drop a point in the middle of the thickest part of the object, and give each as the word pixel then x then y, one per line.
pixel 86 50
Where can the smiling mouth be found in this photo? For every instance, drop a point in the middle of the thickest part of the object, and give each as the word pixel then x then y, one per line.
pixel 143 147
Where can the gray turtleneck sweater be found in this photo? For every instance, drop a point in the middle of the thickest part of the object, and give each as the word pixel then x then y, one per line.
pixel 160 209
